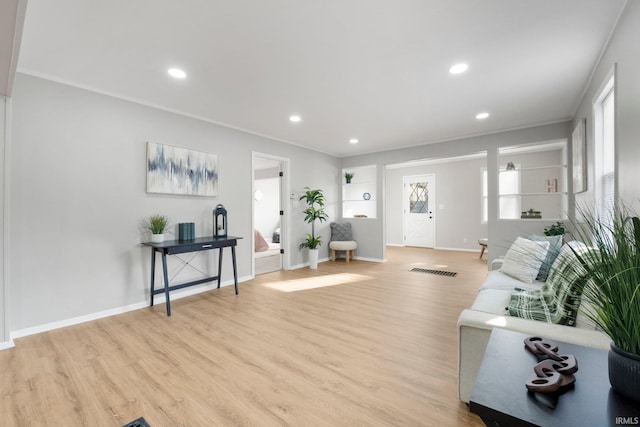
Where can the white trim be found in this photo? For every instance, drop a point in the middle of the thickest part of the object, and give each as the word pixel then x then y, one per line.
pixel 359 258
pixel 6 230
pixel 175 295
pixel 436 248
pixel 607 88
pixel 7 344
pixel 437 160
pixel 285 205
pixel 306 264
pixel 457 249
pixel 534 147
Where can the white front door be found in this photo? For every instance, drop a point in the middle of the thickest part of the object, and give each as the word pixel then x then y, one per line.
pixel 419 195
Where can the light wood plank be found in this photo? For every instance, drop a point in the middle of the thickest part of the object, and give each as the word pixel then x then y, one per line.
pixel 362 344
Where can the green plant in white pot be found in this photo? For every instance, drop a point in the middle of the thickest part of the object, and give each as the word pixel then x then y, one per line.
pixel 314 211
pixel 612 291
pixel 157 225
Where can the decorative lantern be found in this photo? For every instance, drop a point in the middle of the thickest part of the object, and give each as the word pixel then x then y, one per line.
pixel 219 221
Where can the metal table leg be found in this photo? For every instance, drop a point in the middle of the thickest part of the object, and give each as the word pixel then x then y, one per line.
pixel 153 273
pixel 235 270
pixel 166 283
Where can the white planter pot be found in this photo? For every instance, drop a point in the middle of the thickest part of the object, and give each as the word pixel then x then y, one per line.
pixel 313 258
pixel 157 238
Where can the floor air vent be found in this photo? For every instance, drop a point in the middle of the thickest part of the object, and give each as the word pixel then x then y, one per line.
pixel 438 272
pixel 140 422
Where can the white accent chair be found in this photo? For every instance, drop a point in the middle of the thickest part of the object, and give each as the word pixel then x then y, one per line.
pixel 342 240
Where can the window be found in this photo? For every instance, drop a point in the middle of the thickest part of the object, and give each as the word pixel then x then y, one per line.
pixel 509 185
pixel 605 168
pixel 509 191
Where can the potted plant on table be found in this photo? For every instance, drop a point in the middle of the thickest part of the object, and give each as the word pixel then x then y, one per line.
pixel 157 225
pixel 612 290
pixel 314 211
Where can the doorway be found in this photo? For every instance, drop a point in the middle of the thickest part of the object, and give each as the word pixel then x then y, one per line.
pixel 269 213
pixel 419 202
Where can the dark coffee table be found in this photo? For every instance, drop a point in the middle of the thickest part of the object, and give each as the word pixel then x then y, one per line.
pixel 500 397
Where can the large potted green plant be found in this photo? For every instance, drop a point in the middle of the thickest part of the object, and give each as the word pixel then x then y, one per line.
pixel 314 211
pixel 612 291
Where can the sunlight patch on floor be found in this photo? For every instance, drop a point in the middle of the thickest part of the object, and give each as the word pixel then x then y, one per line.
pixel 316 282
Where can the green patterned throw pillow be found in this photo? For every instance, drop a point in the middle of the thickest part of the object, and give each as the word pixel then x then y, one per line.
pixel 558 300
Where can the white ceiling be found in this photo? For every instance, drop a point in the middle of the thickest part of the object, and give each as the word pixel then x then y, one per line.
pixel 376 70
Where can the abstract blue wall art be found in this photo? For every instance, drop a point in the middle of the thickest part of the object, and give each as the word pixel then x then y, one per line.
pixel 174 170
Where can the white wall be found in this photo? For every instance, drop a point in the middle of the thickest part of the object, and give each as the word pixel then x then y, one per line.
pixel 623 52
pixel 78 195
pixel 4 306
pixel 502 233
pixel 458 198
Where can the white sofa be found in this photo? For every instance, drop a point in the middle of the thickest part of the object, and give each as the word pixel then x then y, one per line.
pixel 489 311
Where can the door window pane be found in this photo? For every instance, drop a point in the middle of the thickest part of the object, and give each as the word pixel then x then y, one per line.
pixel 418 197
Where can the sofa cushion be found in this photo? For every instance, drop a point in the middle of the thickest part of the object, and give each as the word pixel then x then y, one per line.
pixel 498 280
pixel 558 300
pixel 494 301
pixel 555 244
pixel 523 259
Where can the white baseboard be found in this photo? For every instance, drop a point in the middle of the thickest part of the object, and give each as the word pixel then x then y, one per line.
pixel 306 264
pixel 440 248
pixel 359 258
pixel 175 295
pixel 7 344
pixel 457 249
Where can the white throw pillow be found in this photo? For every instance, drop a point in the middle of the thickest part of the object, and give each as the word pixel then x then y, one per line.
pixel 524 258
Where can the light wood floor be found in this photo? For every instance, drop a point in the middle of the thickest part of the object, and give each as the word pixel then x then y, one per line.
pixel 358 344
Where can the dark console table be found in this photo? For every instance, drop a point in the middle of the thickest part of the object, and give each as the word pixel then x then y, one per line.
pixel 174 247
pixel 500 397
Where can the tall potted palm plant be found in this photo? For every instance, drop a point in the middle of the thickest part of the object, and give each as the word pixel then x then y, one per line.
pixel 314 211
pixel 612 291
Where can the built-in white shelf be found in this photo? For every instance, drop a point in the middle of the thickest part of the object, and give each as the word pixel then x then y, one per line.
pixel 359 198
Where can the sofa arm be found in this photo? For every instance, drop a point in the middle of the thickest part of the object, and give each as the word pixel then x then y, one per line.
pixel 474 330
pixel 496 264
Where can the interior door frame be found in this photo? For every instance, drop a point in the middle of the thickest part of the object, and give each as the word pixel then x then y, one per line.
pixel 285 205
pixel 432 204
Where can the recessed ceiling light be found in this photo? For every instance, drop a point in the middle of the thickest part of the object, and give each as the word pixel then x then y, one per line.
pixel 294 119
pixel 482 116
pixel 458 68
pixel 353 141
pixel 177 73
